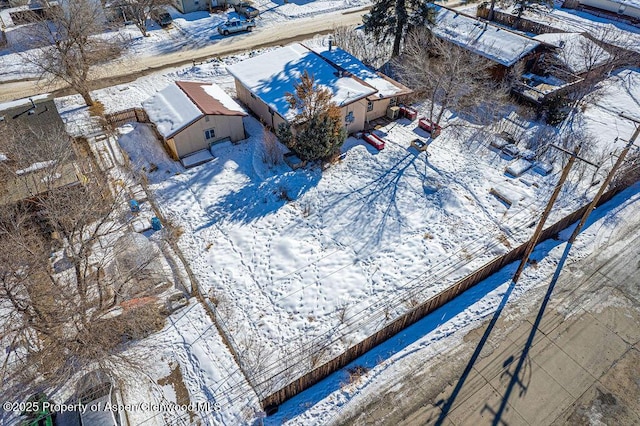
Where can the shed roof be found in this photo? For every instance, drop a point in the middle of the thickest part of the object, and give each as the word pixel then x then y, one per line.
pixel 482 38
pixel 178 105
pixel 273 74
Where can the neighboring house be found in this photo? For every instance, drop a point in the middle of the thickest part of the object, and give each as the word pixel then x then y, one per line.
pixel 24 178
pixel 188 6
pixel 263 81
pixel 497 44
pixel 192 116
pixel 628 8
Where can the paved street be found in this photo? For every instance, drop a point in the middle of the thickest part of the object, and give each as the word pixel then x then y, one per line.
pixel 582 364
pixel 129 68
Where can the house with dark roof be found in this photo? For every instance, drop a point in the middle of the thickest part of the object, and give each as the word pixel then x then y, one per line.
pixel 30 168
pixel 192 116
pixel 263 81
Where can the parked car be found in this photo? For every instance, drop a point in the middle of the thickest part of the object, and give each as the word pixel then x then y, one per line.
pixel 236 26
pixel 245 9
pixel 428 125
pixel 162 17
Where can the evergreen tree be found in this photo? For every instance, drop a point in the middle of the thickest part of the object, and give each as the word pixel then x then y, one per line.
pixel 316 132
pixel 394 18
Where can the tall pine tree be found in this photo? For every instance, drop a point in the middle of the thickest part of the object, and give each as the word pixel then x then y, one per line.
pixel 316 132
pixel 393 18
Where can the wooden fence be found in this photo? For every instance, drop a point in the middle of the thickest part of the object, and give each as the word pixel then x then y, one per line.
pixel 419 312
pixel 117 119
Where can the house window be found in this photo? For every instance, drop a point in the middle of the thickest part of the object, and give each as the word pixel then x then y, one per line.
pixel 209 134
pixel 349 117
pixel 369 106
pixel 206 118
pixel 392 101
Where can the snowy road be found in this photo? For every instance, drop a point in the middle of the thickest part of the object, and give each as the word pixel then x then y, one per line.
pixel 129 68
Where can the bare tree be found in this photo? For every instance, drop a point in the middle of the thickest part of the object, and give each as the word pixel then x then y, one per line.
pixel 139 11
pixel 76 285
pixel 362 46
pixel 67 41
pixel 450 78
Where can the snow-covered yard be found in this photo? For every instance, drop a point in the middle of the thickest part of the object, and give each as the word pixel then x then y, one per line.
pixel 305 261
pixel 300 260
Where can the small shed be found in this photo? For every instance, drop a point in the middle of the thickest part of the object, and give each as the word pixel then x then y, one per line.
pixel 191 116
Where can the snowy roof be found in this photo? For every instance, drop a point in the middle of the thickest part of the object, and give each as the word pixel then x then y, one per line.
pixel 23 102
pixel 492 42
pixel 577 52
pixel 273 74
pixel 178 105
pixel 384 85
pixel 630 3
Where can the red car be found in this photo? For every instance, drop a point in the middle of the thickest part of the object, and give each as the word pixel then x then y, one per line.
pixel 428 125
pixel 374 140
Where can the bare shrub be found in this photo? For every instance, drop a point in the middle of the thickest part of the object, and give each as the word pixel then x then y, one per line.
pixel 412 303
pixel 271 152
pixel 504 240
pixel 362 46
pixel 356 372
pixel 96 109
pixel 450 79
pixel 341 312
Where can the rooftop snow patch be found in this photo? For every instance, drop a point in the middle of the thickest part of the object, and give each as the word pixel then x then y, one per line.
pixel 171 110
pixel 273 74
pixel 492 42
pixel 576 52
pixel 23 102
pixel 384 85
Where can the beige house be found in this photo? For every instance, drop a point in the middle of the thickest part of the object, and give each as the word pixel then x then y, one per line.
pixel 192 116
pixel 263 81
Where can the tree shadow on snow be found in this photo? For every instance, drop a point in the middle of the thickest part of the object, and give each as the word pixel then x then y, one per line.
pixel 367 215
pixel 258 199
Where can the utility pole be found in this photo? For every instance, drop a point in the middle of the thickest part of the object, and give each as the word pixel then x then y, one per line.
pixel 607 181
pixel 547 210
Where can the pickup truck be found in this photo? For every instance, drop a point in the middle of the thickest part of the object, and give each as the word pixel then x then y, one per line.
pixel 236 26
pixel 161 17
pixel 245 9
